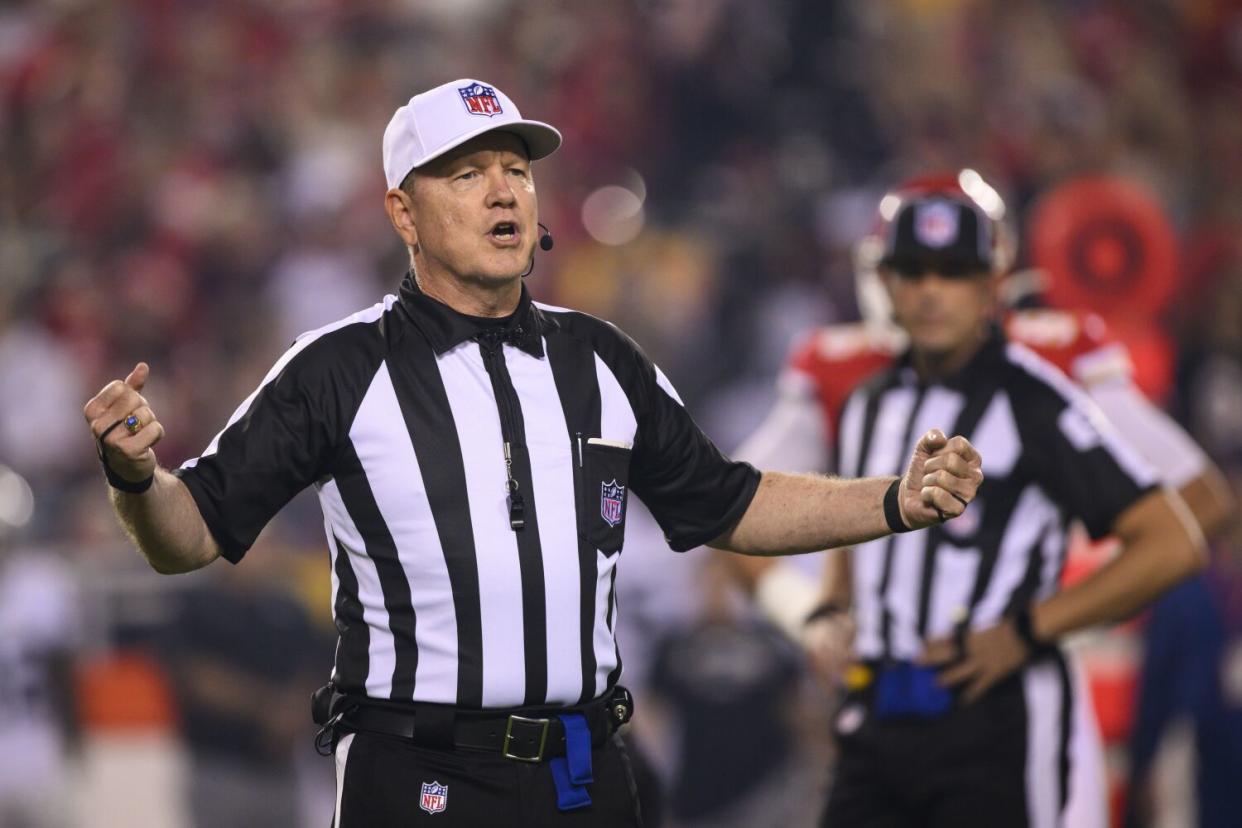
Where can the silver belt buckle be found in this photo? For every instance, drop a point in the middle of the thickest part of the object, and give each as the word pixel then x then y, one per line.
pixel 542 724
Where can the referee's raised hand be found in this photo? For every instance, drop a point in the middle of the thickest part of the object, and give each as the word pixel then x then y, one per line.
pixel 942 479
pixel 124 427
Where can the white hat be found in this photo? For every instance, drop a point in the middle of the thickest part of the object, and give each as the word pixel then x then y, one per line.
pixel 434 122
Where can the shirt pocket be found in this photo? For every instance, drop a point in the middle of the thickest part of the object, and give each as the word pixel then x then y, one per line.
pixel 603 490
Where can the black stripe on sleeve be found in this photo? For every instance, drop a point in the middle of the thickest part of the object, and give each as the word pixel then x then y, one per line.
pixel 359 500
pixel 577 384
pixel 429 420
pixel 352 655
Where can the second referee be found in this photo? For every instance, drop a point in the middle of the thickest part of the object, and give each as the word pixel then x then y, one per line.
pixel 473 452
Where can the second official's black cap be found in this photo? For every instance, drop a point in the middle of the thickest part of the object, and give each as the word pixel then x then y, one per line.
pixel 941 231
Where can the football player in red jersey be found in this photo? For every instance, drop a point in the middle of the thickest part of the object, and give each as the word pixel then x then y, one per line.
pixel 829 363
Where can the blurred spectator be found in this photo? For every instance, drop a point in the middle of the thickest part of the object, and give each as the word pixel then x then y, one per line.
pixel 39 635
pixel 244 659
pixel 731 684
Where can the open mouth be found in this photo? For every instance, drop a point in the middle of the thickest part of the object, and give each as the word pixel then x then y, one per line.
pixel 504 232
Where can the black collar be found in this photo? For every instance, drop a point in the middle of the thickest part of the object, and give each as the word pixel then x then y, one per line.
pixel 991 352
pixel 446 328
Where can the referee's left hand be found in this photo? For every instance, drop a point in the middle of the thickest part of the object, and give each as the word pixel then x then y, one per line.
pixel 943 477
pixel 982 659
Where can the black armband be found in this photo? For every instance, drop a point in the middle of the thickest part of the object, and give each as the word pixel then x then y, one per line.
pixel 892 509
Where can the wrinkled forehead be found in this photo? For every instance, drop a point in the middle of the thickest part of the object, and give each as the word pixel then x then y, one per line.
pixel 489 143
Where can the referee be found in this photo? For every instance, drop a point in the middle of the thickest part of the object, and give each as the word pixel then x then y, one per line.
pixel 473 452
pixel 960 707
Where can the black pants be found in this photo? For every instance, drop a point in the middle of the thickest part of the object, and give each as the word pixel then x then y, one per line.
pixel 380 782
pixel 966 768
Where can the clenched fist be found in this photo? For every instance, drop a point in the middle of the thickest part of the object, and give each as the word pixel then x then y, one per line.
pixel 942 479
pixel 124 426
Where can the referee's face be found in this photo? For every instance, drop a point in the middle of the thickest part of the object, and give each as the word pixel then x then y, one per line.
pixel 944 314
pixel 474 212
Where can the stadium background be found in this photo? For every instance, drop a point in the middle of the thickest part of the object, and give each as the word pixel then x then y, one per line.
pixel 193 184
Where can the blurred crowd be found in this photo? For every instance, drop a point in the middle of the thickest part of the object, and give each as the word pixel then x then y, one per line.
pixel 195 183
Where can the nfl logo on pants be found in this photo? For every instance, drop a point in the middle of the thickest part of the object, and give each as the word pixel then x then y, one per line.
pixel 434 798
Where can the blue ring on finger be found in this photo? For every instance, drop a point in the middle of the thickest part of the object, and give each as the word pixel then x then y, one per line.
pixel 132 424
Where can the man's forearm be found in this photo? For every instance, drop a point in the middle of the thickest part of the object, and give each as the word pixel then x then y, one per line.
pixel 837 585
pixel 166 525
pixel 1210 501
pixel 796 513
pixel 1161 546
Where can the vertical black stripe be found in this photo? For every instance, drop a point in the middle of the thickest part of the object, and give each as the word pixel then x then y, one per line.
pixel 612 602
pixel 886 618
pixel 1002 503
pixel 530 550
pixel 1067 722
pixel 967 421
pixel 1029 585
pixel 577 384
pixel 1002 499
pixel 870 410
pixel 433 432
pixel 352 650
pixel 869 418
pixel 359 500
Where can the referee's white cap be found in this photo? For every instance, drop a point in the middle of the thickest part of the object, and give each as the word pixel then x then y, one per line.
pixel 435 121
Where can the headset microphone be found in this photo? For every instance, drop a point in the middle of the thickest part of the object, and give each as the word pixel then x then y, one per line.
pixel 545 238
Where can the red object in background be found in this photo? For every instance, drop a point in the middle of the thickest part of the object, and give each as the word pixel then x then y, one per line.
pixel 1114 692
pixel 125 690
pixel 1107 246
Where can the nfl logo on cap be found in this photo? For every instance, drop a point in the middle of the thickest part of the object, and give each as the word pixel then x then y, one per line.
pixel 935 223
pixel 480 100
pixel 434 798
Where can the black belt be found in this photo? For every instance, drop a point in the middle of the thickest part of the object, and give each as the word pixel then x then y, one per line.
pixel 527 735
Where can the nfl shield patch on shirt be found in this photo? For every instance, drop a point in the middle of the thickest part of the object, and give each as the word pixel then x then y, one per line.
pixel 434 798
pixel 611 502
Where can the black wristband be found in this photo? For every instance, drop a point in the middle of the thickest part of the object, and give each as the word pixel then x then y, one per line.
pixel 892 509
pixel 114 479
pixel 824 610
pixel 1024 627
pixel 118 482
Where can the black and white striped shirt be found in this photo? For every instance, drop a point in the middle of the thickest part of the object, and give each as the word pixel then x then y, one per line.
pixel 473 476
pixel 1048 456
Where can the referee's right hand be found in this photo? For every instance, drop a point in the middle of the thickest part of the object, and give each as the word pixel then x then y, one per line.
pixel 943 477
pixel 128 451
